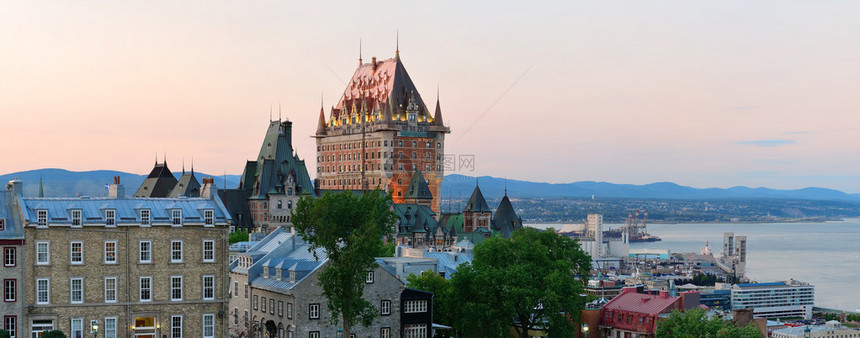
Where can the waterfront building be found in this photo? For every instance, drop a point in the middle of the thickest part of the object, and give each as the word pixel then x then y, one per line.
pixel 138 267
pixel 12 250
pixel 380 133
pixel 716 299
pixel 271 184
pixel 775 300
pixel 275 293
pixel 830 329
pixel 734 257
pixel 606 252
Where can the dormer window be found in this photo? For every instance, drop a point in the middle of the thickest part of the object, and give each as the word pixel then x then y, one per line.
pixel 292 276
pixel 176 216
pixel 76 218
pixel 110 217
pixel 278 274
pixel 42 218
pixel 265 273
pixel 209 218
pixel 2 224
pixel 144 217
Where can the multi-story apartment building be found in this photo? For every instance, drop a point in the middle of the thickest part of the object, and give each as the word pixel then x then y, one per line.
pixel 276 293
pixel 138 267
pixel 11 253
pixel 775 300
pixel 379 133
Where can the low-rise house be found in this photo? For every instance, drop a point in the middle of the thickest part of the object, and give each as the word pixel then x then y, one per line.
pixel 632 314
pixel 12 251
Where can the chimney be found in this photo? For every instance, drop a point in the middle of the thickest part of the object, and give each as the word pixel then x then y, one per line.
pixel 373 61
pixel 664 294
pixel 116 190
pixel 629 289
pixel 209 190
pixel 16 186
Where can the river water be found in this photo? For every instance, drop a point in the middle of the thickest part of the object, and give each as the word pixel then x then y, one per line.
pixel 826 255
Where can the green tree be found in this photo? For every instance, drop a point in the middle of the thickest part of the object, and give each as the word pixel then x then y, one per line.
pixel 239 236
pixel 4 334
pixel 351 229
pixel 444 307
pixel 695 323
pixel 530 278
pixel 53 334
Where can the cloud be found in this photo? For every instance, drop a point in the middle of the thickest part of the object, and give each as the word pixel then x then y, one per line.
pixel 768 143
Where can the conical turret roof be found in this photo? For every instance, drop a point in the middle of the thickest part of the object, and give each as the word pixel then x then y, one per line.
pixel 477 203
pixel 418 188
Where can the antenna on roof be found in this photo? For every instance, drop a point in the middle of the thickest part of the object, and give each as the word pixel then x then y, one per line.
pixel 183 166
pixel 156 158
pixel 359 51
pixel 165 157
pixel 397 46
pixel 270 112
pixel 506 186
pixel 192 164
pixel 279 112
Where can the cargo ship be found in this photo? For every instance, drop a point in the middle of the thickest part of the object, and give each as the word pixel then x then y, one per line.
pixel 635 226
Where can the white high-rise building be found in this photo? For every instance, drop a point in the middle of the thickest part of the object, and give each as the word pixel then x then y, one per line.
pixel 775 300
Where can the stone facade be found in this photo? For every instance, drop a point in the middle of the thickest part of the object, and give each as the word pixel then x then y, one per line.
pixel 11 261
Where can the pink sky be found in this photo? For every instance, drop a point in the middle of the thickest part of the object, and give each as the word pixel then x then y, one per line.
pixel 702 93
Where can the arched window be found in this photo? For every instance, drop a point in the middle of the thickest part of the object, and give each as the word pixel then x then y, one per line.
pixel 399 143
pixel 289 193
pixel 280 204
pixel 414 144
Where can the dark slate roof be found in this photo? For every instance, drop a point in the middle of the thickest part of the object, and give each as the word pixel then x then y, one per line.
pixel 414 218
pixel 418 188
pixel 437 119
pixel 386 84
pixel 187 186
pixel 276 163
pixel 13 228
pixel 236 203
pixel 159 183
pixel 453 223
pixel 505 220
pixel 477 203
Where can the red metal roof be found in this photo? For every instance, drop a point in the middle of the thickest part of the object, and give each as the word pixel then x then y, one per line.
pixel 641 303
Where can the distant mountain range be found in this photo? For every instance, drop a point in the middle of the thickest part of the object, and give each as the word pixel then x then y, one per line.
pixel 64 183
pixel 460 185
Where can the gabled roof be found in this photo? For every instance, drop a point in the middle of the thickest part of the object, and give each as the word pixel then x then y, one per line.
pixel 505 220
pixel 276 164
pixel 385 82
pixel 187 186
pixel 159 183
pixel 414 218
pixel 418 188
pixel 477 203
pixel 127 210
pixel 282 251
pixel 641 303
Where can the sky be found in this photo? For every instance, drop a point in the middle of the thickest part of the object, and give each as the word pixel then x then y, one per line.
pixel 700 93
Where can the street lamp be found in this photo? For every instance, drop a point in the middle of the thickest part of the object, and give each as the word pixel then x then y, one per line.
pixel 339 333
pixel 585 330
pixel 806 332
pixel 95 329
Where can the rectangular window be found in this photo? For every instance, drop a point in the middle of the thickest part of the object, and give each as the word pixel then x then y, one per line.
pixel 10 290
pixel 385 308
pixel 10 324
pixel 110 217
pixel 42 218
pixel 77 328
pixel 9 257
pixel 314 334
pixel 76 290
pixel 280 308
pixel 110 289
pixel 146 251
pixel 415 331
pixel 314 311
pixel 385 332
pixel 110 252
pixel 144 217
pixel 263 307
pixel 256 301
pixel 176 251
pixel 208 326
pixel 176 216
pixel 110 327
pixel 145 289
pixel 2 224
pixel 208 287
pixel 289 310
pixel 77 252
pixel 369 278
pixel 43 253
pixel 209 217
pixel 271 306
pixel 236 289
pixel 246 291
pixel 415 306
pixel 176 288
pixel 76 218
pixel 42 291
pixel 208 251
pixel 176 326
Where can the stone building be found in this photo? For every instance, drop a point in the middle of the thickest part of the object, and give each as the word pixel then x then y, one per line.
pixel 12 250
pixel 271 184
pixel 379 133
pixel 139 267
pixel 275 293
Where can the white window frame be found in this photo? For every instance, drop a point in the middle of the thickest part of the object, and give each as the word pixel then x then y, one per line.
pixel 415 306
pixel 47 291
pixel 210 326
pixel 108 299
pixel 41 218
pixel 210 288
pixel 9 259
pixel 208 218
pixel 107 261
pixel 110 217
pixel 385 332
pixel 148 251
pixel 415 330
pixel 47 253
pixel 11 326
pixel 145 217
pixel 77 218
pixel 211 251
pixel 110 332
pixel 369 277
pixel 173 326
pixel 80 327
pixel 176 217
pixel 172 256
pixel 385 308
pixel 314 334
pixel 72 253
pixel 173 288
pixel 314 311
pixel 6 290
pixel 2 224
pixel 141 288
pixel 72 290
